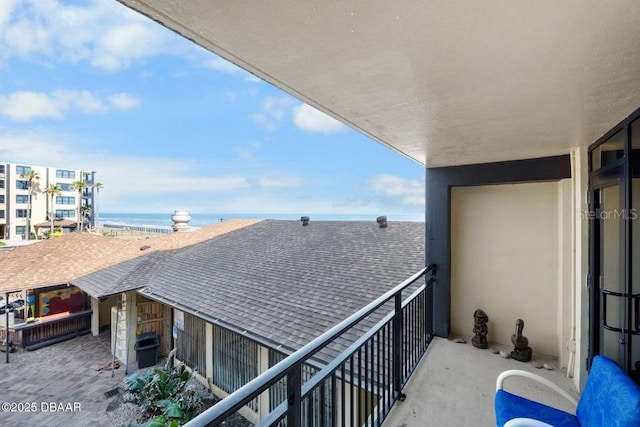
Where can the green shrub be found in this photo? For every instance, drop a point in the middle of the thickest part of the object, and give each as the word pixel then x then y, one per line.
pixel 163 396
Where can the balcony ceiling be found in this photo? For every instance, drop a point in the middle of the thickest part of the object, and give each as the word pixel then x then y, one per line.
pixel 441 82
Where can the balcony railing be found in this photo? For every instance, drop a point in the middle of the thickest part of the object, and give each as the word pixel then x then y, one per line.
pixel 358 386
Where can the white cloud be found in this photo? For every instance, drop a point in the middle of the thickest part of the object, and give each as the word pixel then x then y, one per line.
pixel 279 181
pixel 106 34
pixel 126 179
pixel 22 38
pixel 247 152
pixel 157 184
pixel 124 101
pixel 140 175
pixel 413 200
pixel 122 44
pixel 309 119
pixel 25 105
pixel 252 78
pixel 6 7
pixel 215 62
pixel 279 203
pixel 33 148
pixel 83 101
pixel 408 192
pixel 28 105
pixel 273 113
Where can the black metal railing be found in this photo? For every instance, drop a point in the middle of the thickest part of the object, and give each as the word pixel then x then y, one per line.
pixel 358 386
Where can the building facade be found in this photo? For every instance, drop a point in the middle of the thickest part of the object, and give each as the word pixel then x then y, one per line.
pixel 240 302
pixel 16 192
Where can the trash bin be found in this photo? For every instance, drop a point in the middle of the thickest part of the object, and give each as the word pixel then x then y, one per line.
pixel 147 349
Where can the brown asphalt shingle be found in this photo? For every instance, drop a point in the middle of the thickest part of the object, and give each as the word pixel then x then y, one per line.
pixel 278 282
pixel 60 260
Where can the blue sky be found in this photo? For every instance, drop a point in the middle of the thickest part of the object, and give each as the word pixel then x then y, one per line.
pixel 167 125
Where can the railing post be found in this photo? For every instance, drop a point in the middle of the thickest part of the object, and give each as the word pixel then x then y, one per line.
pixel 397 346
pixel 6 327
pixel 428 302
pixel 334 400
pixel 294 396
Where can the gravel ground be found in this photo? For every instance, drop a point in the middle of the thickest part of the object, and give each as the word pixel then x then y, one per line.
pixel 123 413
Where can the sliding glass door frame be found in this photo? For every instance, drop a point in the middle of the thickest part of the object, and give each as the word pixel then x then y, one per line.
pixel 613 161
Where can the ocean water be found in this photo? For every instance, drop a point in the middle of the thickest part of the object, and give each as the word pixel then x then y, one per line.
pixel 163 220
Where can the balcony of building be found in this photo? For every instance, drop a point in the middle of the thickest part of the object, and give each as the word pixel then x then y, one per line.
pixel 454 385
pixel 394 373
pixel 523 117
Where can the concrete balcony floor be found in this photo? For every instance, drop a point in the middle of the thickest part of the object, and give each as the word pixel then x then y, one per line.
pixel 454 385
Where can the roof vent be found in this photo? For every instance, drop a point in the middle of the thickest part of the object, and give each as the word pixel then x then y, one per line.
pixel 382 221
pixel 305 220
pixel 180 221
pixel 145 247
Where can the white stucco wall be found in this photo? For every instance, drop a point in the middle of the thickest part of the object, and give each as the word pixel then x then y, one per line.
pixel 511 256
pixel 105 309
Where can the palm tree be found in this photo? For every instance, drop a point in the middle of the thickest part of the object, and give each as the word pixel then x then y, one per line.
pixel 97 187
pixel 85 212
pixel 79 187
pixel 52 191
pixel 32 177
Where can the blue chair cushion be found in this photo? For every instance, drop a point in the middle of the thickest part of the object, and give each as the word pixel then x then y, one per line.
pixel 610 397
pixel 509 406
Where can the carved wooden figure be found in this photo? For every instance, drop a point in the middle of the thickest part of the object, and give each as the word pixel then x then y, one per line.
pixel 521 350
pixel 480 329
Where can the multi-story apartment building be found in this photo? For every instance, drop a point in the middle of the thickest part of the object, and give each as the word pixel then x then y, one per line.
pixel 15 193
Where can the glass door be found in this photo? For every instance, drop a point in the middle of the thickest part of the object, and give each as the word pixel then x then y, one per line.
pixel 634 247
pixel 609 272
pixel 615 245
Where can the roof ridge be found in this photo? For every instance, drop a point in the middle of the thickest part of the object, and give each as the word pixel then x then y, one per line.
pixel 144 260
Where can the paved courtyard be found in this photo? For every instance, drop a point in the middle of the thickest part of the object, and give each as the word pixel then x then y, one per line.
pixel 58 385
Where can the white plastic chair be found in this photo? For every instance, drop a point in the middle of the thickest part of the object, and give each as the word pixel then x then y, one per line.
pixel 530 422
pixel 526 422
pixel 610 398
pixel 553 386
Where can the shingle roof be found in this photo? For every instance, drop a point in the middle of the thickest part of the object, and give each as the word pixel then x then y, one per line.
pixel 60 260
pixel 58 222
pixel 283 283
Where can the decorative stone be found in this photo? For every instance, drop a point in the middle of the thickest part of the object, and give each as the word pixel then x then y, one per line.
pixel 494 350
pixel 537 365
pixel 548 367
pixel 480 329
pixel 505 355
pixel 460 340
pixel 521 350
